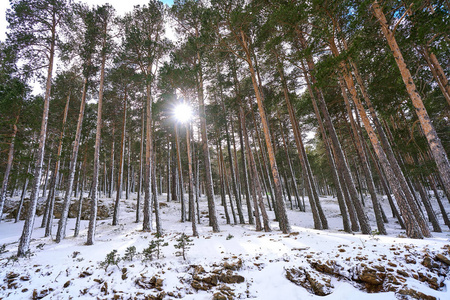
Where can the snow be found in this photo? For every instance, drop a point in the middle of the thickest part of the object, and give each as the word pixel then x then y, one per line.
pixel 265 256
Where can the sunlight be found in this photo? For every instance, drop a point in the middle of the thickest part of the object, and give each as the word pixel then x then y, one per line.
pixel 183 112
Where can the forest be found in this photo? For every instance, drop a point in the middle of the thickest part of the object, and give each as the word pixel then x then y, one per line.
pixel 232 112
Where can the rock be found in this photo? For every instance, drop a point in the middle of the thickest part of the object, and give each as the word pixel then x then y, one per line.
pixel 86 273
pixel 429 263
pixel 149 283
pixel 41 294
pixel 199 285
pixel 236 265
pixel 219 296
pixel 415 294
pixel 443 259
pixel 211 278
pixel 67 284
pixel 371 276
pixel 231 278
pixel 328 268
pixel 311 280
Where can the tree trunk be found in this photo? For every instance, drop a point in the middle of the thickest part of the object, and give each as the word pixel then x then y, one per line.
pixel 141 164
pixel 191 183
pixel 147 222
pixel 121 163
pixel 111 180
pixel 8 168
pixel 24 190
pixel 206 157
pixel 94 193
pixel 180 176
pixel 24 244
pixel 227 186
pixel 222 184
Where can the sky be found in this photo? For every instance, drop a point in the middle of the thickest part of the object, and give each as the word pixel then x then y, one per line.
pixel 121 7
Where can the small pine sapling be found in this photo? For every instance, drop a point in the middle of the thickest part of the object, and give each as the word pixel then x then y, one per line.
pixel 147 253
pixel 229 237
pixel 159 243
pixel 184 243
pixel 112 258
pixel 130 253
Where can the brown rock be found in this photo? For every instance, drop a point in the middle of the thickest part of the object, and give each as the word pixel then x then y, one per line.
pixel 211 278
pixel 236 265
pixel 199 285
pixel 231 278
pixel 415 294
pixel 443 259
pixel 311 280
pixel 219 296
pixel 371 276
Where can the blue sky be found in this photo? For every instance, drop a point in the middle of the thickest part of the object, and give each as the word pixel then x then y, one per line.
pixel 120 5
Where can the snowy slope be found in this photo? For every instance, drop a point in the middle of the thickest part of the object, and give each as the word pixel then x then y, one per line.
pixel 71 269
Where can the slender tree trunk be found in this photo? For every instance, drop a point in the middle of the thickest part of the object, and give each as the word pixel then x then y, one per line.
pixel 44 188
pixel 24 244
pixel 222 185
pixel 206 157
pixel 111 179
pixel 80 200
pixel 227 186
pixel 180 176
pixel 121 163
pixel 94 193
pixel 128 168
pixel 147 222
pixel 141 164
pixel 169 156
pixel 191 183
pixel 439 154
pixel 24 190
pixel 8 168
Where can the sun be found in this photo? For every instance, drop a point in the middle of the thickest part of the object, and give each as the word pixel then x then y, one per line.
pixel 183 112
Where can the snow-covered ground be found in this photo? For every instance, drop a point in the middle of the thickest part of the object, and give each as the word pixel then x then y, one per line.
pixel 71 269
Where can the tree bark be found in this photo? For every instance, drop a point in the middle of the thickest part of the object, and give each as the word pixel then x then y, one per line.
pixel 191 183
pixel 8 168
pixel 94 193
pixel 24 244
pixel 121 163
pixel 206 157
